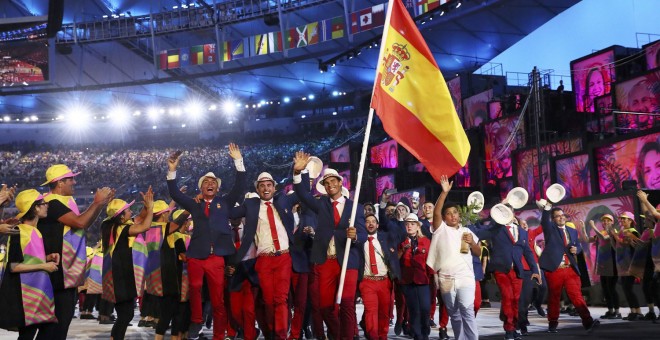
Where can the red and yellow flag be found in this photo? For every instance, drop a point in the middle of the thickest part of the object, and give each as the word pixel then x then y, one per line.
pixel 412 99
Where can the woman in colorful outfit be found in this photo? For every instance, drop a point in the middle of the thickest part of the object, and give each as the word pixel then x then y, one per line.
pixel 624 259
pixel 26 294
pixel 118 234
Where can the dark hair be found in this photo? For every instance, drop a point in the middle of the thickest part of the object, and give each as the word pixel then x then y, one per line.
pixel 554 210
pixel 107 228
pixel 32 212
pixel 52 185
pixel 447 206
pixel 369 215
pixel 390 204
pixel 650 146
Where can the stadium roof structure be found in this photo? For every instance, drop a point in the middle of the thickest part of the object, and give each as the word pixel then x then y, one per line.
pixel 110 50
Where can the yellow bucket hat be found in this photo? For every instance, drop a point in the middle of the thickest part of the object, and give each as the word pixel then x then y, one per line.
pixel 25 199
pixel 160 207
pixel 57 172
pixel 116 207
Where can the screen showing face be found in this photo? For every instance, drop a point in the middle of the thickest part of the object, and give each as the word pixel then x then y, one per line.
pixel 462 177
pixel 386 155
pixel 340 155
pixel 592 77
pixel 346 175
pixel 495 110
pixel 652 55
pixel 573 173
pixel 641 94
pixel 476 108
pixel 500 141
pixel 383 183
pixel 454 86
pixel 633 159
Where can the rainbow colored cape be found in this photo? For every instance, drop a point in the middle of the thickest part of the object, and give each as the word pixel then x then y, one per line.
pixel 74 255
pixel 139 248
pixel 154 238
pixel 94 280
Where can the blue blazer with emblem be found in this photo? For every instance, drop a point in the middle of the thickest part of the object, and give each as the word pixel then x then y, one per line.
pixel 213 230
pixel 555 249
pixel 325 229
pixel 506 252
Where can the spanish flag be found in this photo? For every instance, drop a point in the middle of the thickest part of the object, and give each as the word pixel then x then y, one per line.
pixel 412 99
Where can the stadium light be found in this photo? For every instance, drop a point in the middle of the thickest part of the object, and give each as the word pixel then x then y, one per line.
pixel 311 97
pixel 335 93
pixel 78 116
pixel 34 118
pixel 286 99
pixel 6 118
pixel 119 115
pixel 152 113
pixel 195 109
pixel 228 107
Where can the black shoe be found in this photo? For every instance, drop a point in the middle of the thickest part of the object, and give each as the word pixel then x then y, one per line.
pixel 91 317
pixel 308 332
pixel 509 336
pixel 649 316
pixel 540 311
pixel 573 313
pixel 391 322
pixel 259 333
pixel 552 329
pixel 615 315
pixel 634 317
pixel 563 310
pixel 398 328
pixel 432 324
pixel 593 326
pixel 607 315
pixel 485 304
pixel 113 318
pixel 194 330
pixel 443 334
pixel 141 323
pixel 106 322
pixel 523 331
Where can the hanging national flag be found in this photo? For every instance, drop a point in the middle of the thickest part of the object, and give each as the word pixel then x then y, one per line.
pixel 355 22
pixel 172 59
pixel 313 33
pixel 337 27
pixel 210 54
pixel 225 51
pixel 259 44
pixel 184 57
pixel 238 48
pixel 274 42
pixel 365 20
pixel 378 15
pixel 302 36
pixel 412 99
pixel 291 38
pixel 424 6
pixel 162 60
pixel 197 55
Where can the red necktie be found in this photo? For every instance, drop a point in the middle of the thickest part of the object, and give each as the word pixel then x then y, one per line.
pixel 336 213
pixel 372 256
pixel 237 237
pixel 273 229
pixel 206 208
pixel 563 234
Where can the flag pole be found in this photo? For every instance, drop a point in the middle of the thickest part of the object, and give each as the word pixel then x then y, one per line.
pixel 363 157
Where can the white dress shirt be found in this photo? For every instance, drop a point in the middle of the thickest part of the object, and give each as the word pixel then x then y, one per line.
pixel 263 238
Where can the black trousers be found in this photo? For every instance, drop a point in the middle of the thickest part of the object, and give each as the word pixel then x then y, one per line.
pixel 608 284
pixel 169 309
pixel 124 316
pixel 525 297
pixel 65 305
pixel 90 302
pixel 627 284
pixel 29 332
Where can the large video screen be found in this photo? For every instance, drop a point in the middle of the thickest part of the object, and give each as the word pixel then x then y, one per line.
pixel 408 196
pixel 476 108
pixel 23 62
pixel 603 120
pixel 340 155
pixel 383 183
pixel 592 77
pixel 633 159
pixel 495 109
pixel 527 171
pixel 346 175
pixel 574 174
pixel 385 154
pixel 498 154
pixel 462 177
pixel 454 86
pixel 640 94
pixel 652 55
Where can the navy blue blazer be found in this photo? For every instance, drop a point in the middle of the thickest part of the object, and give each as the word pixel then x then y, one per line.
pixel 325 229
pixel 215 229
pixel 390 235
pixel 243 271
pixel 302 243
pixel 504 251
pixel 555 249
pixel 250 210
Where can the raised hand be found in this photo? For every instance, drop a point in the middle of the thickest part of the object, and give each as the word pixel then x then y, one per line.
pixel 148 199
pixel 104 195
pixel 173 160
pixel 642 196
pixel 6 194
pixel 445 184
pixel 234 151
pixel 300 161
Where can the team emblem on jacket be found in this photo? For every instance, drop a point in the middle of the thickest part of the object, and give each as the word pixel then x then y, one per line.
pixel 218 206
pixel 391 250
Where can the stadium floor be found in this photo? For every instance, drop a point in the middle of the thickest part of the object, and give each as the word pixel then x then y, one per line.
pixel 490 327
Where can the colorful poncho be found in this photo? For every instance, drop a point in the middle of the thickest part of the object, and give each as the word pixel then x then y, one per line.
pixel 74 257
pixel 36 289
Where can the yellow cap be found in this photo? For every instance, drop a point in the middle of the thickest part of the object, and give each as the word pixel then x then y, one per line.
pixel 57 172
pixel 25 199
pixel 116 207
pixel 160 207
pixel 178 213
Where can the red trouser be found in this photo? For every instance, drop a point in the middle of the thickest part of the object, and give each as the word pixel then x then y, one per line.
pixel 329 284
pixel 510 286
pixel 213 267
pixel 242 310
pixel 274 274
pixel 376 300
pixel 315 303
pixel 566 278
pixel 299 284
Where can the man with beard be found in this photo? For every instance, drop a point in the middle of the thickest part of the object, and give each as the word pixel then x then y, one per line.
pixel 212 239
pixel 333 211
